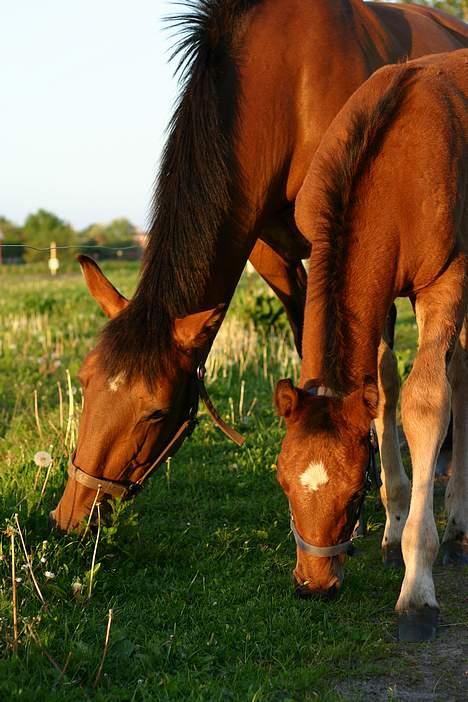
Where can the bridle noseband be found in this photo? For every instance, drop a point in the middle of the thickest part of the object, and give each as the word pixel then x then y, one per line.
pixel 372 477
pixel 127 489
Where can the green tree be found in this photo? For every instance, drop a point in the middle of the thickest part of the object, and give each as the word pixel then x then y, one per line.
pixel 459 8
pixel 12 237
pixel 43 227
pixel 117 235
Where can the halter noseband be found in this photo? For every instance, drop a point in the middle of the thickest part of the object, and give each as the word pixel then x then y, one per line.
pixel 371 477
pixel 128 489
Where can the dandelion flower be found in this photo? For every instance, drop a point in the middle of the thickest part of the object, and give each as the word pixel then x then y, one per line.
pixel 43 459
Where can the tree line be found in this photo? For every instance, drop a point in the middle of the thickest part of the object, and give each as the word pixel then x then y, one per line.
pixel 43 227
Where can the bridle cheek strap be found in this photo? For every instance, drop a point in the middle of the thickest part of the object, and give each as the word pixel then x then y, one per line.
pixel 117 488
pixel 126 489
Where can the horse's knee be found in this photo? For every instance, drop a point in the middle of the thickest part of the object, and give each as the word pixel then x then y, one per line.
pixel 425 404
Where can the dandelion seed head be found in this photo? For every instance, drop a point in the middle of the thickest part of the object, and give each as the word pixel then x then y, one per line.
pixel 43 459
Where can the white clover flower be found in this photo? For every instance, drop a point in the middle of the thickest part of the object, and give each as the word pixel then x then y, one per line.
pixel 49 575
pixel 19 580
pixel 43 459
pixel 43 560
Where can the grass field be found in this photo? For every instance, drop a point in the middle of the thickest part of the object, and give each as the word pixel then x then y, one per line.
pixel 196 571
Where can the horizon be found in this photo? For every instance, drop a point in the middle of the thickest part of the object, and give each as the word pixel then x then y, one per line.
pixel 86 98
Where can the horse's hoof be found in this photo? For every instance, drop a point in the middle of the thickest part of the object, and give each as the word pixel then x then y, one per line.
pixel 418 625
pixel 392 556
pixel 455 552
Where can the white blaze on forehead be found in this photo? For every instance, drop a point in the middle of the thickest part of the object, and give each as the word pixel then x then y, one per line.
pixel 314 476
pixel 115 383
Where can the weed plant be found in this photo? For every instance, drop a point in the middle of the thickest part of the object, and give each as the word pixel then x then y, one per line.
pixel 191 582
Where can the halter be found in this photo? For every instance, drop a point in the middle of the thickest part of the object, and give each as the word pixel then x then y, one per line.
pixel 126 489
pixel 372 477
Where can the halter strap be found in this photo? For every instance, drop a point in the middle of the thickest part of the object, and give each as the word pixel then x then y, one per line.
pixel 127 489
pixel 319 551
pixel 371 477
pixel 230 432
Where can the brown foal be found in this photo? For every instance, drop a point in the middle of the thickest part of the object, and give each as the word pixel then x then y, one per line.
pixel 263 79
pixel 385 207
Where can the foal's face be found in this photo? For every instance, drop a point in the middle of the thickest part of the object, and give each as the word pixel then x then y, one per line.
pixel 125 426
pixel 321 468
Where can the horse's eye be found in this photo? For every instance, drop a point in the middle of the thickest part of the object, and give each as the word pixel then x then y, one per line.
pixel 157 416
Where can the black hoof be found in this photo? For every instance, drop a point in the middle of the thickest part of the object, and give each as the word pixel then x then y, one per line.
pixel 418 625
pixel 454 552
pixel 392 556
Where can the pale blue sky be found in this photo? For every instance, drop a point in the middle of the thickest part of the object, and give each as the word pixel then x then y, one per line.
pixel 85 97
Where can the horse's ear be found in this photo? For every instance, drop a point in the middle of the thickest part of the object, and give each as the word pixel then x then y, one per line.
pixel 286 398
pixel 194 330
pixel 360 407
pixel 108 298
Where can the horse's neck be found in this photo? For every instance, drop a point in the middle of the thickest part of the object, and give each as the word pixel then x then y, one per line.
pixel 341 335
pixel 288 103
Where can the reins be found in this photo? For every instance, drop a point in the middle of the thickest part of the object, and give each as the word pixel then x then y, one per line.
pixel 372 477
pixel 127 489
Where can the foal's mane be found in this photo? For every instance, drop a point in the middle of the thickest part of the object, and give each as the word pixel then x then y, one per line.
pixel 342 172
pixel 198 178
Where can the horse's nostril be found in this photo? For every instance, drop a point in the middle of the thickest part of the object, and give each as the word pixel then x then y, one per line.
pixel 303 591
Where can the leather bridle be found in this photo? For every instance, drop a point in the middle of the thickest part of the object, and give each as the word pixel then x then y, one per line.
pixel 126 489
pixel 371 477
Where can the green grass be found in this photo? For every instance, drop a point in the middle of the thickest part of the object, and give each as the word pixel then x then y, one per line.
pixel 197 569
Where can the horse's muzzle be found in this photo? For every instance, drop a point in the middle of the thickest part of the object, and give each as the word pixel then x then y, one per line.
pixel 305 592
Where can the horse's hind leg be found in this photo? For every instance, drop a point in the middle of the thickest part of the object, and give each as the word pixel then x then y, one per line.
pixel 288 279
pixel 455 542
pixel 425 414
pixel 395 491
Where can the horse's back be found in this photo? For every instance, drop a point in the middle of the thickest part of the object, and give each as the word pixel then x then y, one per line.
pixel 395 157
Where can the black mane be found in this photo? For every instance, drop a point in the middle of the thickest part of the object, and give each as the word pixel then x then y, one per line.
pixel 193 194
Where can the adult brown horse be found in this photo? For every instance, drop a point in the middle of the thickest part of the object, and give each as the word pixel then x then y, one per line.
pixel 262 81
pixel 385 206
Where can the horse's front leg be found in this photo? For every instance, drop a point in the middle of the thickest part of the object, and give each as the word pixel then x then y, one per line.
pixel 425 415
pixel 395 490
pixel 288 280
